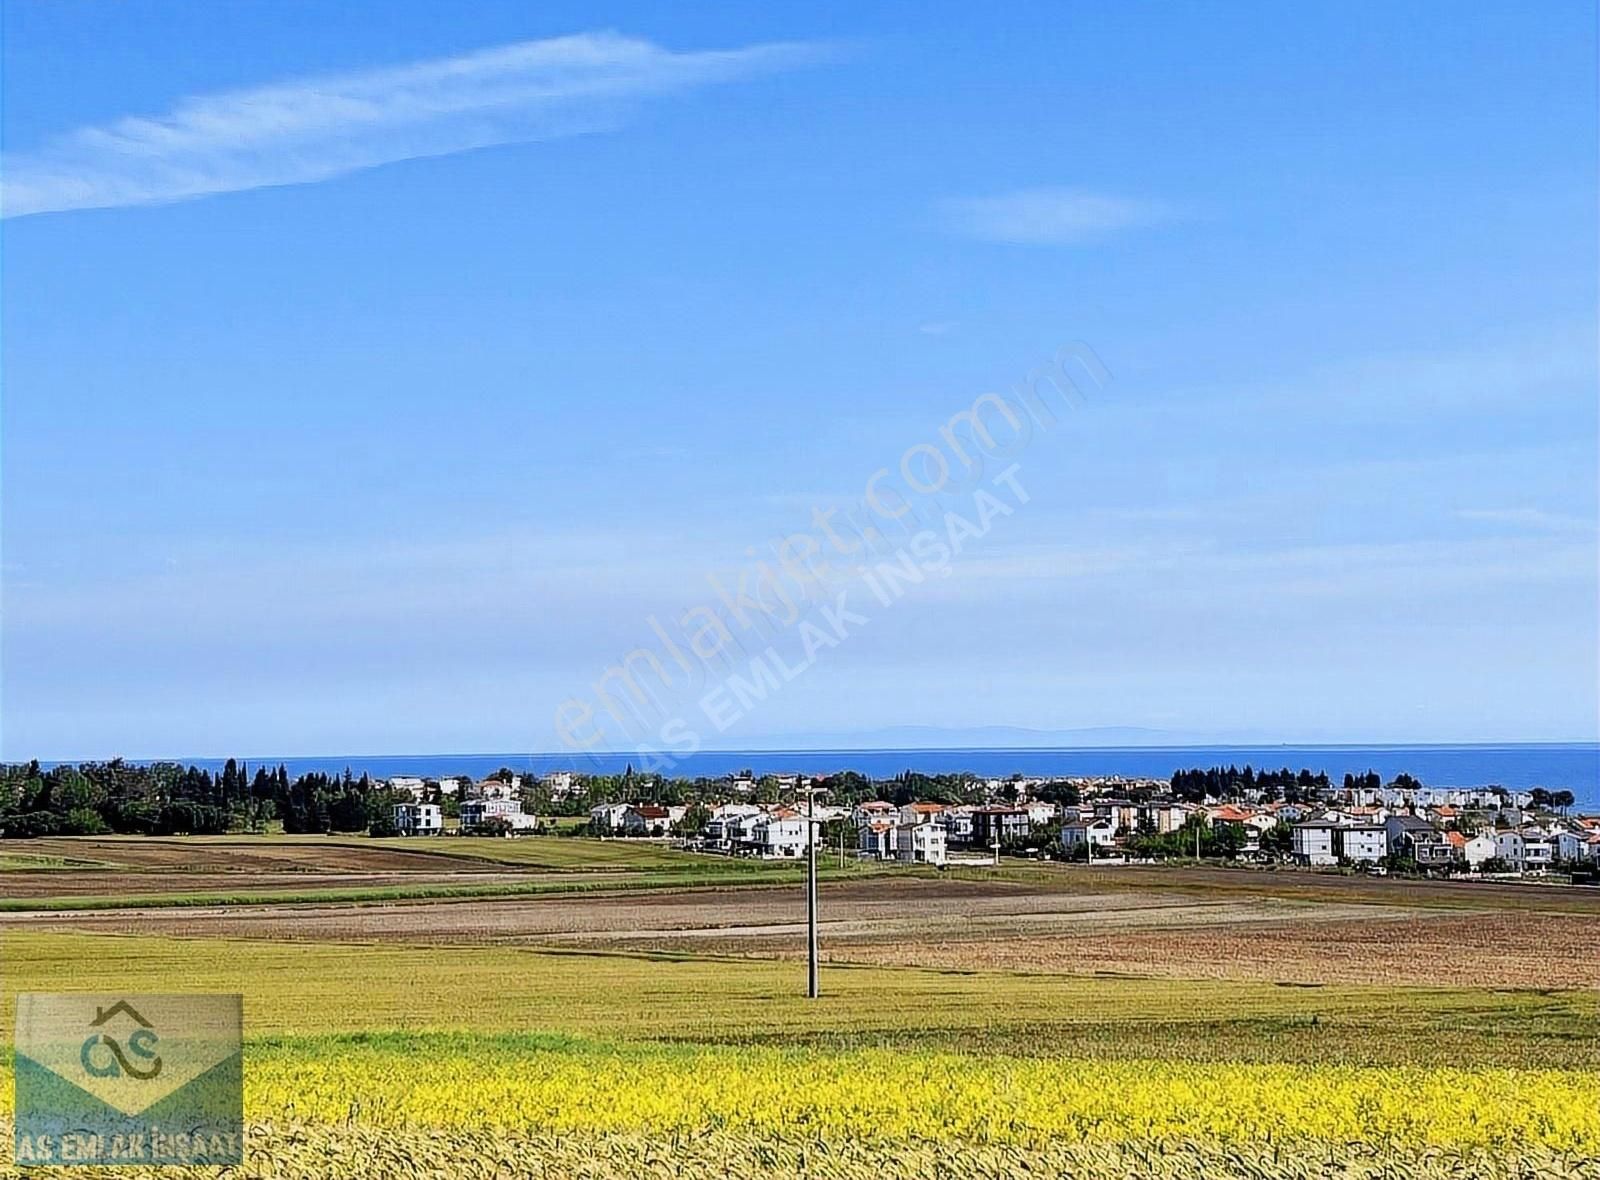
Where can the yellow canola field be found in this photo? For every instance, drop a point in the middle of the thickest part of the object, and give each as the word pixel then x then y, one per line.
pixel 933 1097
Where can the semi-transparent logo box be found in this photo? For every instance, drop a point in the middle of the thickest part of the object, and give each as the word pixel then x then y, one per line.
pixel 129 1079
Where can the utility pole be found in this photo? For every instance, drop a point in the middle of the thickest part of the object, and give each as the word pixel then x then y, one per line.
pixel 811 892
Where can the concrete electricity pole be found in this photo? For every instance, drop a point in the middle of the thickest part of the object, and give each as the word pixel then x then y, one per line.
pixel 811 892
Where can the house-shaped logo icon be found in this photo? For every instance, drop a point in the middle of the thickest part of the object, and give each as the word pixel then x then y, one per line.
pixel 104 1055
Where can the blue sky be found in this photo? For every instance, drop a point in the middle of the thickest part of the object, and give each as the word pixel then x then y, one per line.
pixel 372 373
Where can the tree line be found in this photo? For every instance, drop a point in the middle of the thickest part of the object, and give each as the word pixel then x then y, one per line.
pixel 1231 782
pixel 170 799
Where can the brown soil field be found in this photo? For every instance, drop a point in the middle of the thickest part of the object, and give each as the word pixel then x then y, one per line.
pixel 535 918
pixel 112 882
pixel 1325 886
pixel 770 921
pixel 1463 950
pixel 245 855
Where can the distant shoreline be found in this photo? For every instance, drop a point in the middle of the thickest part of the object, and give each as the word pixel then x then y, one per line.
pixel 1571 766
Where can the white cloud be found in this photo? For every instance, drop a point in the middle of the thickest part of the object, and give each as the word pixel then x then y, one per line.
pixel 1049 216
pixel 1529 519
pixel 310 129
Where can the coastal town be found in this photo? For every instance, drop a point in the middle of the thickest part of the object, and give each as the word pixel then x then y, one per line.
pixel 1225 814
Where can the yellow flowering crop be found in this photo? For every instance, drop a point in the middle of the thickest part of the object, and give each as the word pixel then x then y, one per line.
pixel 886 1095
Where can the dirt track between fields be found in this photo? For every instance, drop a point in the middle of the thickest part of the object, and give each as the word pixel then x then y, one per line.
pixel 1294 928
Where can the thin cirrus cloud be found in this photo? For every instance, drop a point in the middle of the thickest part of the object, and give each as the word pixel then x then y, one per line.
pixel 311 129
pixel 1049 216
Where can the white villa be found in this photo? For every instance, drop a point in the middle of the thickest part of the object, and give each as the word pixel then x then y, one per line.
pixel 921 843
pixel 475 813
pixel 1479 849
pixel 607 817
pixel 418 819
pixel 1315 844
pixel 1096 833
pixel 780 835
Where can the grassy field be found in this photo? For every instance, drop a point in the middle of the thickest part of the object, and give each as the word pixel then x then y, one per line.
pixel 25 862
pixel 294 990
pixel 387 1046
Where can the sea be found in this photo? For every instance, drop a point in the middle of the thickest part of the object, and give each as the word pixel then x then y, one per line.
pixel 1573 767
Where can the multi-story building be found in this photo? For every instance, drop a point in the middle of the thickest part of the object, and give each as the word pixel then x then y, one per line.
pixel 999 825
pixel 418 819
pixel 476 814
pixel 1419 840
pixel 780 835
pixel 1364 843
pixel 922 843
pixel 1315 842
pixel 875 841
pixel 1508 846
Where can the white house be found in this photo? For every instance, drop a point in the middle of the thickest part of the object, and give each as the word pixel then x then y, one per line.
pixel 1480 848
pixel 476 812
pixel 734 829
pixel 1537 851
pixel 1314 843
pixel 418 819
pixel 1509 848
pixel 1097 833
pixel 922 843
pixel 1570 846
pixel 607 817
pixel 743 829
pixel 558 783
pixel 780 836
pixel 730 824
pixel 1366 843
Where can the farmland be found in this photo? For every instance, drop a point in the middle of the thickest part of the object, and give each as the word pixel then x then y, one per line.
pixel 1073 1022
